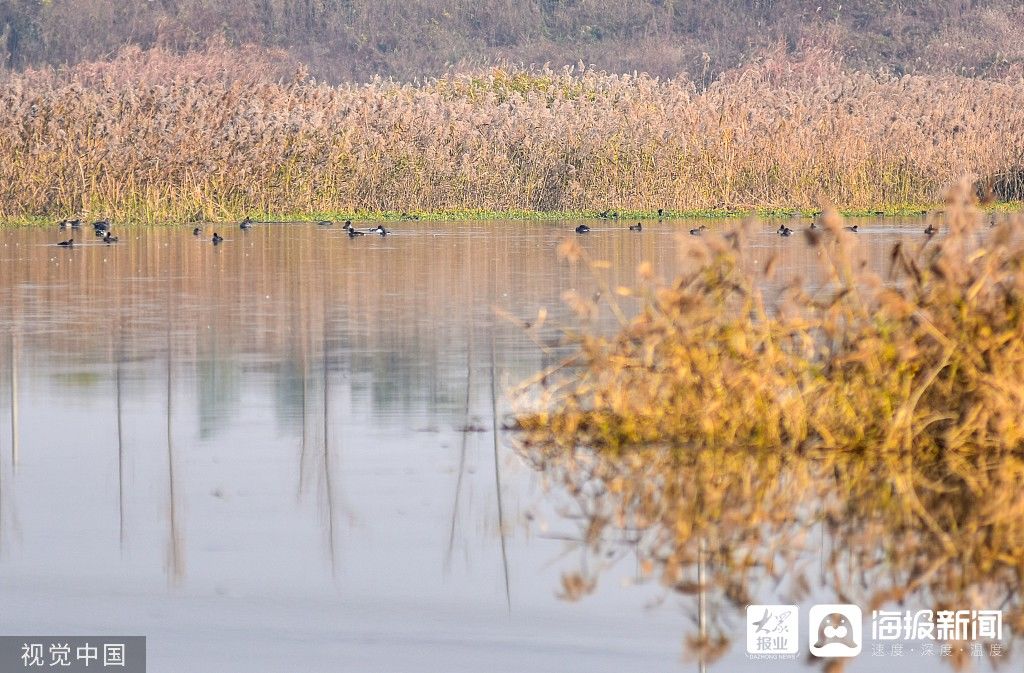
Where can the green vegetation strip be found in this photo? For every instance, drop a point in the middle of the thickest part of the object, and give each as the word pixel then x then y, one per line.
pixel 555 215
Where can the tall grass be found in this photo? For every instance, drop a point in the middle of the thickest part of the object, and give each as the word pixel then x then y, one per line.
pixel 865 435
pixel 157 136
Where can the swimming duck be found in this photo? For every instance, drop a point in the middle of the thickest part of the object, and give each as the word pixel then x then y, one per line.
pixel 100 226
pixel 245 224
pixel 347 226
pixel 785 231
pixel 381 230
pixel 661 213
pixel 67 244
pixel 217 238
pixel 197 231
pixel 75 224
pixel 852 228
pixel 353 232
pixel 698 230
pixel 109 238
pixel 582 229
pixel 325 223
pixel 930 229
pixel 636 227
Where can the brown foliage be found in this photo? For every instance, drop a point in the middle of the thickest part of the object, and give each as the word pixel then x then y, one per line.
pixel 226 132
pixel 869 428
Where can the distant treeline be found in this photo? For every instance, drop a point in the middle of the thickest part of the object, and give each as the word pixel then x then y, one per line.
pixel 357 39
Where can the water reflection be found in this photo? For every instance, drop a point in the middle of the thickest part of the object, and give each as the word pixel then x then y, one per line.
pixel 665 449
pixel 307 427
pixel 930 534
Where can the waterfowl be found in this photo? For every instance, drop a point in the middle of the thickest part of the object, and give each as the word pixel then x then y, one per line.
pixel 661 213
pixel 698 230
pixel 853 228
pixel 110 238
pixel 75 224
pixel 636 227
pixel 217 238
pixel 101 226
pixel 603 214
pixel 785 231
pixel 67 244
pixel 930 229
pixel 325 223
pixel 814 224
pixel 347 226
pixel 381 230
pixel 582 229
pixel 353 232
pixel 245 224
pixel 197 231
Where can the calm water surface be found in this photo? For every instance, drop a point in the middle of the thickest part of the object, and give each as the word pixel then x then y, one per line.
pixel 281 454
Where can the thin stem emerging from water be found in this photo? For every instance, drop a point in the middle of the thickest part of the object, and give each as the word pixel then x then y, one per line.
pixel 497 478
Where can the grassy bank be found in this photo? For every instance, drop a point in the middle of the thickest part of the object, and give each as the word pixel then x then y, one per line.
pixel 213 136
pixel 624 217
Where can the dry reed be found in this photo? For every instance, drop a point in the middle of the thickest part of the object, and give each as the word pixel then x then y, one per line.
pixel 879 418
pixel 154 136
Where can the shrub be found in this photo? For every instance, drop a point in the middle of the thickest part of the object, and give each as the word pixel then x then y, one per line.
pixel 879 418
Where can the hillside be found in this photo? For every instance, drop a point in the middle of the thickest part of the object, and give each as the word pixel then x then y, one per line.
pixel 356 39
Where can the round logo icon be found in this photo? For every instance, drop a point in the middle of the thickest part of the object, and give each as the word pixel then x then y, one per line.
pixel 835 630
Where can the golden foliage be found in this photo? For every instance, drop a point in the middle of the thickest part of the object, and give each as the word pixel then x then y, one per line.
pixel 878 418
pixel 225 133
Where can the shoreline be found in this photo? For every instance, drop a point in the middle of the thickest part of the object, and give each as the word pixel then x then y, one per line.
pixel 471 215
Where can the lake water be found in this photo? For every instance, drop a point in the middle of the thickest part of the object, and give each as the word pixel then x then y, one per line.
pixel 285 453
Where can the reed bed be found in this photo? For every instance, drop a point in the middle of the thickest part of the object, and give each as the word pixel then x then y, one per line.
pixel 865 435
pixel 154 136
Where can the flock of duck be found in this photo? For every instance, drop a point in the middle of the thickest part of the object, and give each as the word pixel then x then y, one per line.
pixel 783 230
pixel 102 228
pixel 247 224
